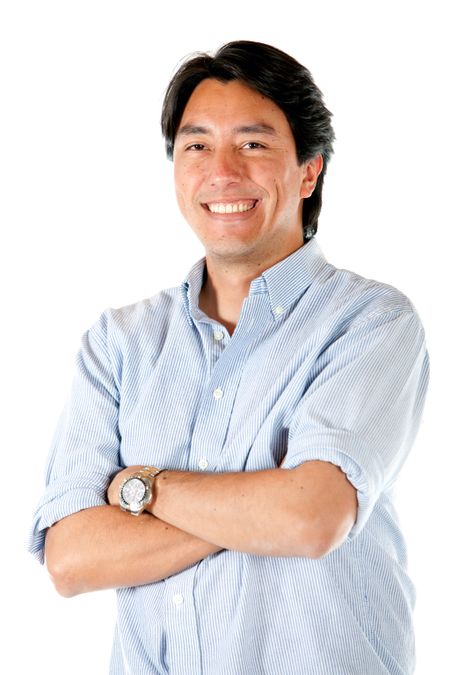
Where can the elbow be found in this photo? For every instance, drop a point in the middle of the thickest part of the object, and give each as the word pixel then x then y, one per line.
pixel 62 569
pixel 317 540
pixel 319 547
pixel 62 578
pixel 326 510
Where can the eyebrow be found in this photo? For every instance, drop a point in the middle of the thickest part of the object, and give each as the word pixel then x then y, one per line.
pixel 257 128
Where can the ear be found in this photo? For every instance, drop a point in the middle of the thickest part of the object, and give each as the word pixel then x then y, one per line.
pixel 312 169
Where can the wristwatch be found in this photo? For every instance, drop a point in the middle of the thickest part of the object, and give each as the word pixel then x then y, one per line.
pixel 135 492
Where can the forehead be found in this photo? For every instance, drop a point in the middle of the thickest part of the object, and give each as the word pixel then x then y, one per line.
pixel 231 103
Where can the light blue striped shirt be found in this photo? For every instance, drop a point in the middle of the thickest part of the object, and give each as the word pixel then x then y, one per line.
pixel 323 364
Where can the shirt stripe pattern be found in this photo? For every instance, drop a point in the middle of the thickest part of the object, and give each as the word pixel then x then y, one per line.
pixel 323 365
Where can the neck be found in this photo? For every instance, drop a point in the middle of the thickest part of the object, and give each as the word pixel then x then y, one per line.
pixel 225 288
pixel 223 293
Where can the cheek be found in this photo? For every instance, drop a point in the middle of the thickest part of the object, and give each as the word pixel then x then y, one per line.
pixel 293 182
pixel 182 196
pixel 182 186
pixel 286 193
pixel 187 179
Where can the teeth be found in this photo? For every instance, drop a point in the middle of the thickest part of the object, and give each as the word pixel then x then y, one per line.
pixel 237 207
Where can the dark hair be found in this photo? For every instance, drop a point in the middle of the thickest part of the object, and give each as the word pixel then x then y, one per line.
pixel 277 76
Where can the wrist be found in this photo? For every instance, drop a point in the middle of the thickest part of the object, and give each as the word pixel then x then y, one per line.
pixel 158 485
pixel 132 488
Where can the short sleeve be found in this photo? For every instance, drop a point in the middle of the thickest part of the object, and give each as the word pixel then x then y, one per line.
pixel 85 449
pixel 363 405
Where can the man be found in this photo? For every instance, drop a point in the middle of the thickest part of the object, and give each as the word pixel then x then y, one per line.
pixel 227 456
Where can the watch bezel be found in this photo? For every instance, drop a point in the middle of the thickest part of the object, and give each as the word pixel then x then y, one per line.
pixel 137 507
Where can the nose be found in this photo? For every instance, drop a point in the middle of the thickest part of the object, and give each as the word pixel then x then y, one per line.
pixel 225 166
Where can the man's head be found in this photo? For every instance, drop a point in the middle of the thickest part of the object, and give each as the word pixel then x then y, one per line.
pixel 275 75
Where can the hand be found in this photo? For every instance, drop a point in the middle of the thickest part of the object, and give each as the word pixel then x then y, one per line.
pixel 113 490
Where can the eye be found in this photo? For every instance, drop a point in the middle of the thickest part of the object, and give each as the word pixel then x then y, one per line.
pixel 253 145
pixel 196 147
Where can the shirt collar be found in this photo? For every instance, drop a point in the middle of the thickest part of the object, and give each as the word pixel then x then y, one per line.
pixel 284 283
pixel 190 290
pixel 287 280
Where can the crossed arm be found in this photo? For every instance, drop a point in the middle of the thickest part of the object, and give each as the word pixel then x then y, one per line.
pixel 306 511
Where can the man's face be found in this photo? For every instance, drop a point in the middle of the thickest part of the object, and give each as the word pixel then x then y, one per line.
pixel 237 178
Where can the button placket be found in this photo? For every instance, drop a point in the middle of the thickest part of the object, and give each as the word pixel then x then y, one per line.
pixel 181 620
pixel 214 413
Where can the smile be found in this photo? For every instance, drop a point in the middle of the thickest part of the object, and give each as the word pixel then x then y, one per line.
pixel 231 207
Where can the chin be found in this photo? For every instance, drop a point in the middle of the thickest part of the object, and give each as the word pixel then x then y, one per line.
pixel 237 252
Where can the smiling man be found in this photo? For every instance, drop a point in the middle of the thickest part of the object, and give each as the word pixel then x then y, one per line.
pixel 241 188
pixel 227 456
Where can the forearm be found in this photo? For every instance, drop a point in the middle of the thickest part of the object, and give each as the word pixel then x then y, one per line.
pixel 103 547
pixel 300 512
pixel 239 510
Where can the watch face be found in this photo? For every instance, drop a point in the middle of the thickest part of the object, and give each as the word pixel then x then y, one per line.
pixel 133 492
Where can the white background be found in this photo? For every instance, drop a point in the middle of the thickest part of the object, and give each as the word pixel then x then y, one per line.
pixel 88 220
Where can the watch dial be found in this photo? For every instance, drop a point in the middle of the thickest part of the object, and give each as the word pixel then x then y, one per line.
pixel 133 491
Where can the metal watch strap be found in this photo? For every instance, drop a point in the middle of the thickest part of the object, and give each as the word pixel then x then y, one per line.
pixel 149 472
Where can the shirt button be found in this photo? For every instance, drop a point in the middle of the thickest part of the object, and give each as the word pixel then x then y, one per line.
pixel 217 393
pixel 178 599
pixel 279 310
pixel 203 464
pixel 218 335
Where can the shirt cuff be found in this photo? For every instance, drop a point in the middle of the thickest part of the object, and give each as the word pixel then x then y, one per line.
pixel 54 508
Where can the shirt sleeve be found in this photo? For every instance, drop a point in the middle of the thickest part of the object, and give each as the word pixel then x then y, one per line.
pixel 85 449
pixel 362 408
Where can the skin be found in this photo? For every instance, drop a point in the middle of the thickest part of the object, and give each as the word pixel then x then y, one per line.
pixel 306 511
pixel 218 159
pixel 233 146
pixel 104 547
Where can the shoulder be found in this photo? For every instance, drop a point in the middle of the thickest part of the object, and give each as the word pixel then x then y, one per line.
pixel 139 322
pixel 359 298
pixel 159 306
